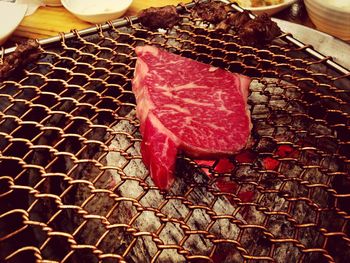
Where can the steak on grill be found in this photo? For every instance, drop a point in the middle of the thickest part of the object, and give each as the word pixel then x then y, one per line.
pixel 186 105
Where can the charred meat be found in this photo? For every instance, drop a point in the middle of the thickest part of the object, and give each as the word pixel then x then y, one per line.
pixel 260 30
pixel 159 17
pixel 213 12
pixel 24 54
pixel 234 21
pixel 256 32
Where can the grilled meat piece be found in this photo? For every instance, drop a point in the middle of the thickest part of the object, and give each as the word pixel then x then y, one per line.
pixel 213 12
pixel 159 17
pixel 234 21
pixel 259 31
pixel 256 32
pixel 24 54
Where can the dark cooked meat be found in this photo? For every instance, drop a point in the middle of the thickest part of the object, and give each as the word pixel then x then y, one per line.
pixel 213 12
pixel 159 17
pixel 203 114
pixel 255 32
pixel 24 54
pixel 259 31
pixel 234 21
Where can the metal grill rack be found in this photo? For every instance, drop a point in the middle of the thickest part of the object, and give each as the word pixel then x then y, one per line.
pixel 73 186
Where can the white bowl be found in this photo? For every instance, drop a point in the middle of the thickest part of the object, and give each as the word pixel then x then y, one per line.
pixel 97 11
pixel 330 17
pixel 11 16
pixel 271 9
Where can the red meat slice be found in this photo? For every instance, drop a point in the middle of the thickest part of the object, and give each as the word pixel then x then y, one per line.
pixel 186 105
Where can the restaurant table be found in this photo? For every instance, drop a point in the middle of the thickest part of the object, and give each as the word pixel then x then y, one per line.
pixel 50 21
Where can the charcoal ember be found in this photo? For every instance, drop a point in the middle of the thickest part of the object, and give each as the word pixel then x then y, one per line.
pixel 234 21
pixel 159 17
pixel 259 31
pixel 213 12
pixel 24 54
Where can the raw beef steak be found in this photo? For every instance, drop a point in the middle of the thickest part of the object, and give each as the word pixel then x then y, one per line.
pixel 186 105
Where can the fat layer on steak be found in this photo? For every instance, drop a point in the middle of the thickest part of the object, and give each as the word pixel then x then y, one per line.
pixel 186 105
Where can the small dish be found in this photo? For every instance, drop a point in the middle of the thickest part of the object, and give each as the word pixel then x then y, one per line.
pixel 11 15
pixel 332 17
pixel 270 9
pixel 97 11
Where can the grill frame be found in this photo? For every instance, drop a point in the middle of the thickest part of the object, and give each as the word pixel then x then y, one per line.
pixel 328 92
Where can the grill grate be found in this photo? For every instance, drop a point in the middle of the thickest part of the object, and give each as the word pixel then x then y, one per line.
pixel 73 186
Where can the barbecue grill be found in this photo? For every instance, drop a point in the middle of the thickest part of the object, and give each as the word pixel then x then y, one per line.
pixel 68 126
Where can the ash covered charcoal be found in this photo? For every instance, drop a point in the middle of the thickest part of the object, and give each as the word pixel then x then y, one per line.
pixel 176 210
pixel 259 31
pixel 159 17
pixel 213 12
pixel 122 200
pixel 24 54
pixel 296 203
pixel 121 207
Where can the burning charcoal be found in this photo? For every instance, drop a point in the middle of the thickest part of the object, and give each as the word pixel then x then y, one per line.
pixel 24 54
pixel 234 21
pixel 117 240
pixel 246 156
pixel 271 163
pixel 159 17
pixel 213 12
pixel 258 31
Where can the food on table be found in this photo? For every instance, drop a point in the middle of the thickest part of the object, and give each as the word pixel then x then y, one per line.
pixel 257 3
pixel 159 17
pixel 185 105
pixel 24 54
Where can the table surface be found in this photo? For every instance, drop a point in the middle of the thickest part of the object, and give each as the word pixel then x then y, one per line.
pixel 50 21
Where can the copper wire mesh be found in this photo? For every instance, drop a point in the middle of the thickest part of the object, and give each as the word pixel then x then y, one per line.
pixel 73 186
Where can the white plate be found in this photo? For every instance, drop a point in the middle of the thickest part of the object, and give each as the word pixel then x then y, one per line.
pixel 97 11
pixel 11 16
pixel 322 42
pixel 271 9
